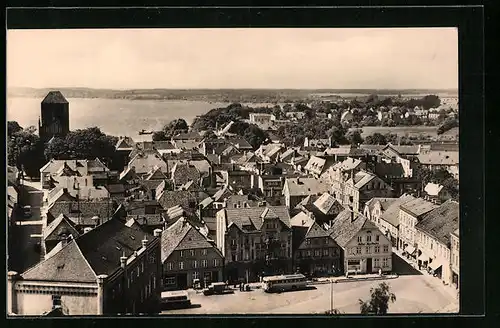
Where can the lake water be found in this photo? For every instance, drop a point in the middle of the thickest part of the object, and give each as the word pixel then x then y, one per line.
pixel 113 116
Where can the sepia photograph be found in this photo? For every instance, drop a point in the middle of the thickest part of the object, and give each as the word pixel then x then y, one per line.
pixel 253 171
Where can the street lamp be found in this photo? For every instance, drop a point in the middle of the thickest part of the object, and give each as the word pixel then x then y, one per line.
pixel 331 295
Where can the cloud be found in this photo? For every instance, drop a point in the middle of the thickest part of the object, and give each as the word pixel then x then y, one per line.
pixel 234 58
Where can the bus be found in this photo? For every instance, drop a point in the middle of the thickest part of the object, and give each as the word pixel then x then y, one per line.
pixel 284 283
pixel 175 299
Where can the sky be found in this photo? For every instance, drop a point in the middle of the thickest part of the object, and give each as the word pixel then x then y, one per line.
pixel 333 58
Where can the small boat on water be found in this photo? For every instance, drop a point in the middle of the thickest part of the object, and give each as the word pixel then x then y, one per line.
pixel 142 132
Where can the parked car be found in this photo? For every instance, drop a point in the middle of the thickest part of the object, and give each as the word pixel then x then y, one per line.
pixel 217 288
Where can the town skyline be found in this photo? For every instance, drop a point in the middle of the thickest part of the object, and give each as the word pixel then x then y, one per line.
pixel 379 58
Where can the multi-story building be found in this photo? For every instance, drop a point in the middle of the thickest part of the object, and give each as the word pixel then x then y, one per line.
pixel 434 240
pixel 111 269
pixel 410 214
pixel 187 255
pixel 316 252
pixel 384 212
pixel 254 241
pixel 296 189
pixel 455 258
pixel 365 248
pixel 362 187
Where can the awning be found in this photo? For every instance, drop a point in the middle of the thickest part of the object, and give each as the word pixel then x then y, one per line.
pixel 424 257
pixel 409 249
pixel 435 264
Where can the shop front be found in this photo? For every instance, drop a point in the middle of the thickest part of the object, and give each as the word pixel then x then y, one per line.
pixel 409 251
pixel 435 267
pixel 423 260
pixel 455 279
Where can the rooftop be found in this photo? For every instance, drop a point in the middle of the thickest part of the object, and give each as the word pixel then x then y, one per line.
pixel 54 97
pixel 418 207
pixel 441 221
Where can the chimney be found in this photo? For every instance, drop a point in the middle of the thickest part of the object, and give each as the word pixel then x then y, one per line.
pixel 353 215
pixel 145 242
pixel 123 261
pixel 157 232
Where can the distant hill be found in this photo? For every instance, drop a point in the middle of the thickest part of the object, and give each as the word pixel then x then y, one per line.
pixel 214 95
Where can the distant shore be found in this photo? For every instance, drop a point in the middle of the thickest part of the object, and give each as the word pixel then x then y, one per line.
pixel 270 96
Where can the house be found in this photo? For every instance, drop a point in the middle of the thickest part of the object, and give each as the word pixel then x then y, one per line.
pixel 56 170
pixel 12 204
pixel 183 173
pixel 144 162
pixel 365 249
pixel 112 269
pixel 239 179
pixel 434 239
pixel 270 152
pixel 319 144
pixel 142 206
pixel 188 136
pixel 344 151
pixel 394 175
pixel 436 193
pixel 124 146
pixel 323 209
pixel 168 199
pixel 186 255
pixel 316 254
pixel 147 222
pixel 363 186
pixel 83 213
pixel 116 191
pixel 346 116
pixel 455 258
pixel 261 118
pixel 410 214
pixel 437 159
pixel 295 116
pixel 240 143
pixel 384 213
pixel 240 201
pixel 58 231
pixel 317 165
pixel 296 189
pixel 254 241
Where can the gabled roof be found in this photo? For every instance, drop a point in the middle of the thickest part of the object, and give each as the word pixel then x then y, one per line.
pixel 344 229
pixel 182 236
pixel 301 220
pixel 316 231
pixel 315 164
pixel 305 186
pixel 391 214
pixel 67 265
pixel 439 157
pixel 418 207
pixel 54 97
pixel 84 209
pixel 389 170
pixel 62 222
pixel 385 202
pixel 183 173
pixel 240 143
pixel 155 174
pixel 144 162
pixel 169 199
pixel 441 221
pixel 362 178
pixel 348 164
pixel 328 205
pixel 124 143
pixel 256 215
pixel 222 193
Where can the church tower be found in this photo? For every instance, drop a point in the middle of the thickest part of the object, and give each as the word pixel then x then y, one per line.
pixel 54 120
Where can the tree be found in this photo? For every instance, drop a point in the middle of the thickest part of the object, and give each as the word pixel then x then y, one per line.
pixel 159 136
pixel 430 101
pixel 13 127
pixel 87 143
pixel 354 137
pixel 172 128
pixel 376 139
pixel 447 125
pixel 25 151
pixel 250 132
pixel 379 301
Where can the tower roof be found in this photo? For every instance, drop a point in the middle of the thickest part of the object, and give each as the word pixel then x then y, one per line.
pixel 54 97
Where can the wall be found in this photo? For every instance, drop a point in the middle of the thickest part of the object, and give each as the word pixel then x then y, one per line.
pixel 37 300
pixel 437 251
pixel 407 232
pixel 455 254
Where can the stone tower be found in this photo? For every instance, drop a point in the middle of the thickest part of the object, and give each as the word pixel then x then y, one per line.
pixel 54 120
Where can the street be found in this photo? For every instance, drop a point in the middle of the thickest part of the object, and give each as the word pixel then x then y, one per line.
pixel 415 293
pixel 26 233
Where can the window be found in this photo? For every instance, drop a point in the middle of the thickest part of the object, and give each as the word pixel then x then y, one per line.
pixel 360 239
pixel 326 241
pixel 368 238
pixel 386 248
pixel 308 241
pixel 385 263
pixel 192 252
pixel 358 250
pixel 308 253
pixel 196 275
pixel 233 242
pixel 138 271
pixel 181 265
pixel 325 252
pixel 142 266
pixel 216 262
pixel 170 281
pixel 56 300
pixel 181 253
pixel 204 263
pixel 317 252
pixel 169 266
pixel 195 264
pixel 204 252
pixel 377 238
pixel 377 249
pixel 368 249
pixel 376 263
